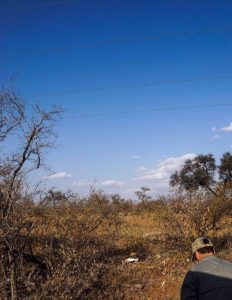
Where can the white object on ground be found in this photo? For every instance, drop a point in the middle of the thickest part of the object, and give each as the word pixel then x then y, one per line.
pixel 131 260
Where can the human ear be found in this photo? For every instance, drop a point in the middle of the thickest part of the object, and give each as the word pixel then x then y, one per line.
pixel 197 255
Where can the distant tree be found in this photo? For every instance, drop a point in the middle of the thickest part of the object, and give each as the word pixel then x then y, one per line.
pixel 225 168
pixel 142 194
pixel 202 172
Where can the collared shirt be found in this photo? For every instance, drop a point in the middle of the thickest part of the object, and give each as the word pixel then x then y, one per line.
pixel 210 279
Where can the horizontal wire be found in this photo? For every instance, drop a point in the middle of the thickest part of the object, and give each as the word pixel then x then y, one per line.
pixel 134 85
pixel 116 41
pixel 173 108
pixel 36 5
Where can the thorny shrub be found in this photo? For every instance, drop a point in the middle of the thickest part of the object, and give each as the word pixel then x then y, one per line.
pixel 66 246
pixel 185 218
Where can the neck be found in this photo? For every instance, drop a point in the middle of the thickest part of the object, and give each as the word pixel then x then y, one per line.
pixel 203 256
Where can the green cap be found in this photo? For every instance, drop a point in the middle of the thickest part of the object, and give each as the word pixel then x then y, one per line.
pixel 199 243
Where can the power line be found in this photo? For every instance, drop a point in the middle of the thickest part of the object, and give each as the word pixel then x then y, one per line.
pixel 36 5
pixel 134 85
pixel 118 41
pixel 173 108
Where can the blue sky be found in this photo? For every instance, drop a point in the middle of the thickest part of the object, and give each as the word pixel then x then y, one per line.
pixel 123 152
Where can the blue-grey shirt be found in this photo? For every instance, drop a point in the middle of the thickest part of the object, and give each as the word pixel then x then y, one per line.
pixel 210 279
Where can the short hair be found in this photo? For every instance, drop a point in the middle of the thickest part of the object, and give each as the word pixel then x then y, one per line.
pixel 205 250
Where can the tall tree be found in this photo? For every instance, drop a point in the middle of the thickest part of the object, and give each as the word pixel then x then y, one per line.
pixel 12 112
pixel 35 135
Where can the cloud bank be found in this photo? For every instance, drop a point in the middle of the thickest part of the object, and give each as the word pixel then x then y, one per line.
pixel 110 183
pixel 159 177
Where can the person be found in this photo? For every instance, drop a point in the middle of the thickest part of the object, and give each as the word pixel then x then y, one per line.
pixel 210 278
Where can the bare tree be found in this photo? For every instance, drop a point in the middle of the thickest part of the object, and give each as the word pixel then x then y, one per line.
pixel 11 111
pixel 35 135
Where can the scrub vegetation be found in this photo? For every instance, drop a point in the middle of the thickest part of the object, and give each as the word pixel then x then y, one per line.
pixel 58 245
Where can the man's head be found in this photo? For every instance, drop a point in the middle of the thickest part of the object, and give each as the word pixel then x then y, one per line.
pixel 201 248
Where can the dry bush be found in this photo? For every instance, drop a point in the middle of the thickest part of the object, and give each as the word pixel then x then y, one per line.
pixel 63 245
pixel 78 239
pixel 75 248
pixel 188 217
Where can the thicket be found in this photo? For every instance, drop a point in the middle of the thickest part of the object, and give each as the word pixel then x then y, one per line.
pixel 203 205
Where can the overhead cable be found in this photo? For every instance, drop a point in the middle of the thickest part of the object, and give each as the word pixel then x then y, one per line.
pixel 162 109
pixel 36 5
pixel 133 85
pixel 118 41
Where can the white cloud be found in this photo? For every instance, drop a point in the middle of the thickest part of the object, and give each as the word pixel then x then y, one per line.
pixel 137 156
pixel 161 174
pixel 112 183
pixel 58 175
pixel 82 182
pixel 227 128
pixel 142 169
pixel 216 137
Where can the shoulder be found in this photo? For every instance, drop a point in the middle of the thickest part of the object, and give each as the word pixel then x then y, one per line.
pixel 223 261
pixel 205 262
pixel 212 265
pixel 190 276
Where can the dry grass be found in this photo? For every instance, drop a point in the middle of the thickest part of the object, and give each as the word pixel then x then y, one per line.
pixel 85 244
